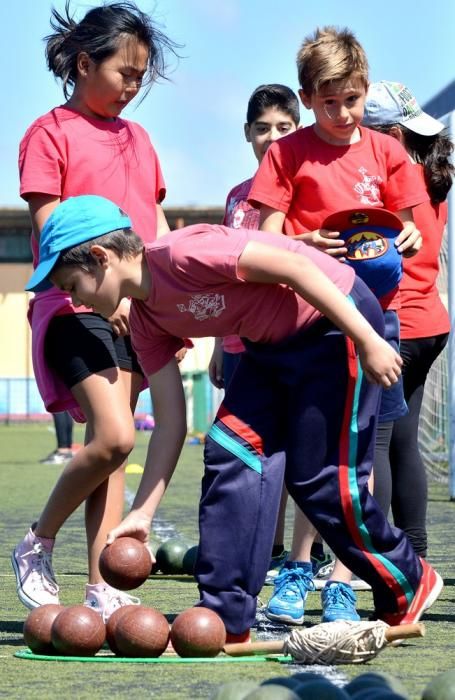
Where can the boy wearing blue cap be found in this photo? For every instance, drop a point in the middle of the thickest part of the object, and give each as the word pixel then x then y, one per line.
pixel 336 164
pixel 312 332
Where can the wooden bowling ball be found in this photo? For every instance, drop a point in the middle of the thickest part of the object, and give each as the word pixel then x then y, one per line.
pixel 111 625
pixel 78 631
pixel 142 632
pixel 125 564
pixel 198 632
pixel 37 628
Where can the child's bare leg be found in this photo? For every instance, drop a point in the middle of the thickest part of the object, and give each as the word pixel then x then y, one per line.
pixel 302 538
pixel 103 511
pixel 279 531
pixel 102 398
pixel 341 573
pixel 104 506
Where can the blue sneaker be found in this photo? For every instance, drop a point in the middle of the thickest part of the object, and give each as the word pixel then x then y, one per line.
pixel 292 585
pixel 338 602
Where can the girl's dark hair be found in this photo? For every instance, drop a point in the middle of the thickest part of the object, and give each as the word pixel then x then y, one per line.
pixel 124 242
pixel 273 95
pixel 98 34
pixel 433 152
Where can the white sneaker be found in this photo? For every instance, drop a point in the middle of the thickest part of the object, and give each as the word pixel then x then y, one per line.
pixel 57 457
pixel 105 600
pixel 32 564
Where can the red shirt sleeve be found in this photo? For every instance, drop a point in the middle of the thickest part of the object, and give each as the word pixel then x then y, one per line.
pixel 160 187
pixel 404 188
pixel 42 163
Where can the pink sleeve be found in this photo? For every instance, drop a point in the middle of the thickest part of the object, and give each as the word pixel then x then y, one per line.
pixel 404 188
pixel 41 163
pixel 160 187
pixel 153 351
pixel 145 144
pixel 273 183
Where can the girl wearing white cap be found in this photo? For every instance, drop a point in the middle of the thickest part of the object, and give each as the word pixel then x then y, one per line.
pixel 424 322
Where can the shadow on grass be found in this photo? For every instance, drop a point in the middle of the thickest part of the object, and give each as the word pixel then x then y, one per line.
pixel 440 498
pixel 183 578
pixel 433 617
pixel 12 643
pixel 12 627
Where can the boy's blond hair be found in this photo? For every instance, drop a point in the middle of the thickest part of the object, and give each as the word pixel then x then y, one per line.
pixel 330 55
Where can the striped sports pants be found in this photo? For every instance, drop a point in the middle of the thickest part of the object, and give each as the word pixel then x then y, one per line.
pixel 299 409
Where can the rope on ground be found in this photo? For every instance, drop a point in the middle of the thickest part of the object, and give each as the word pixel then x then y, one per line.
pixel 340 642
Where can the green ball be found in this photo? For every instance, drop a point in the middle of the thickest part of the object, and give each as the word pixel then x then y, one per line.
pixel 169 555
pixel 235 690
pixel 375 679
pixel 272 692
pixel 441 687
pixel 189 560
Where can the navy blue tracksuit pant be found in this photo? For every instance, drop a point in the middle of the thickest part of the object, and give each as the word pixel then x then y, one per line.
pixel 301 408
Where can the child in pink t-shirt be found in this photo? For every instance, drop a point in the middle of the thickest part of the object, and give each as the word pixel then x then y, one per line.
pixel 333 165
pixel 272 112
pixel 312 332
pixel 83 361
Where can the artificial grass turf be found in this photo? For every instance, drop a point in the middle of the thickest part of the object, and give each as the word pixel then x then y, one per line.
pixel 24 486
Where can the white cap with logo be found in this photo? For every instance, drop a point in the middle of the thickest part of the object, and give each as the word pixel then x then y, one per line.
pixel 393 103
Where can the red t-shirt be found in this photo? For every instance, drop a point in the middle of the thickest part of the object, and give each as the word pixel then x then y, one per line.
pixel 66 154
pixel 196 292
pixel 307 179
pixel 422 312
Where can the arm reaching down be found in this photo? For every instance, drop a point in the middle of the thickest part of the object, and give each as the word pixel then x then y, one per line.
pixel 266 264
pixel 164 449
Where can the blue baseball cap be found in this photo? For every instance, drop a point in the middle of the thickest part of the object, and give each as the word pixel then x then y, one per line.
pixel 369 234
pixel 74 221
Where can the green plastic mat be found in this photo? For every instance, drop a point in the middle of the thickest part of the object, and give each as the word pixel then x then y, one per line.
pixel 110 658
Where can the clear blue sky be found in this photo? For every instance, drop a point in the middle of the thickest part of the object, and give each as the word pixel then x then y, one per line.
pixel 230 46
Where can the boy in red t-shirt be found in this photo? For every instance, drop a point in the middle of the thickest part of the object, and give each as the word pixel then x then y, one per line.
pixel 312 332
pixel 305 177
